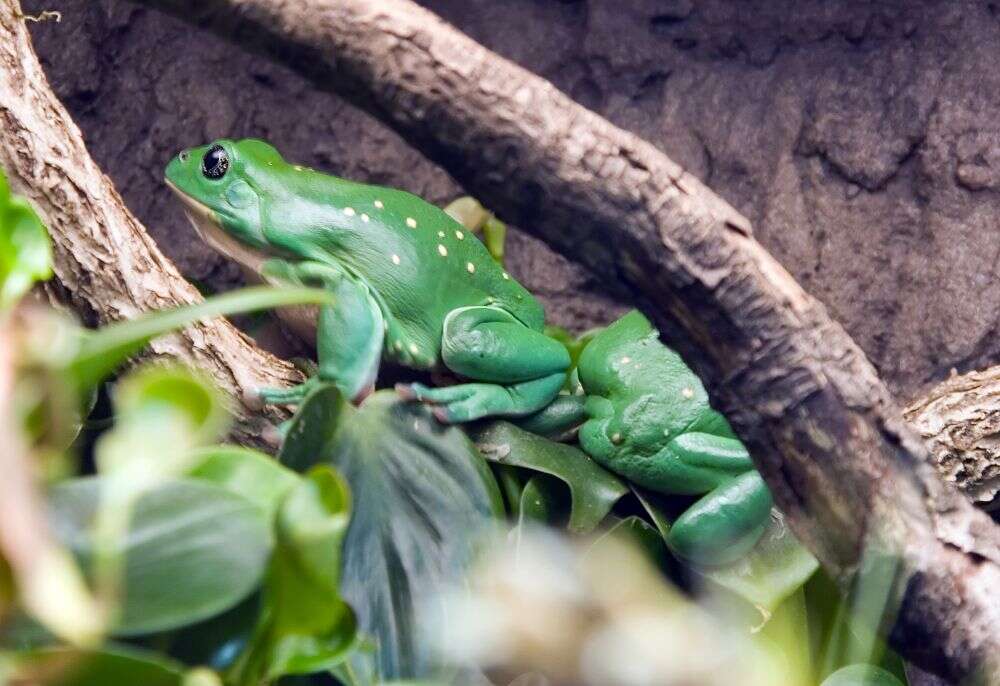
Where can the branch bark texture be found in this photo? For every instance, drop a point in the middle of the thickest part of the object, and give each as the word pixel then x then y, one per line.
pixel 107 268
pixel 843 465
pixel 960 423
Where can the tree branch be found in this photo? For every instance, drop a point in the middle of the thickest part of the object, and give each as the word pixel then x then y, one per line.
pixel 828 438
pixel 959 421
pixel 107 268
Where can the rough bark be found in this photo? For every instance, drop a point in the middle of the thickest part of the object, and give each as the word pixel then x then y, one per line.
pixel 959 421
pixel 107 268
pixel 824 431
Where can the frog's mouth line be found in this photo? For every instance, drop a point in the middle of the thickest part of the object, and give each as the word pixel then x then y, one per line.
pixel 208 227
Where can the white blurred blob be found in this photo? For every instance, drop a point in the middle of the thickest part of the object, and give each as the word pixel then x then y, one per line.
pixel 545 610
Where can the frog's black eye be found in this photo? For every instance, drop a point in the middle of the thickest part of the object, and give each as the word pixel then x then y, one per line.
pixel 215 163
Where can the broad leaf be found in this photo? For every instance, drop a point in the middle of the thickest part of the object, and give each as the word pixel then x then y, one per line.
pixel 103 350
pixel 775 568
pixel 70 667
pixel 257 477
pixel 422 498
pixel 306 626
pixel 25 249
pixel 192 549
pixel 593 489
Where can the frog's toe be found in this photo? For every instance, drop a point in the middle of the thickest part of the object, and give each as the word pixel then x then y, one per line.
pixel 443 415
pixel 409 392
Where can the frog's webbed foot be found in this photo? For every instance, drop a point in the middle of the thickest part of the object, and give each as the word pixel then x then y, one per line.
pixel 470 401
pixel 516 370
pixel 292 395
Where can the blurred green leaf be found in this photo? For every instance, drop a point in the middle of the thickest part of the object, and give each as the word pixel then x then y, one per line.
pixel 422 496
pixel 468 212
pixel 593 490
pixel 109 667
pixel 192 549
pixel 861 675
pixel 306 626
pixel 103 350
pixel 25 249
pixel 257 477
pixel 774 569
pixel 644 536
pixel 163 412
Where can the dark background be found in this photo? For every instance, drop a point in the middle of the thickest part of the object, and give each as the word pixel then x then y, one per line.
pixel 861 138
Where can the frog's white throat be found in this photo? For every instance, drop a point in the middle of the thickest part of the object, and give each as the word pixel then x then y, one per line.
pixel 206 225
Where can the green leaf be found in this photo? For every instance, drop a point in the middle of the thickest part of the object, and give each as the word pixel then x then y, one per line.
pixel 110 667
pixel 192 549
pixel 423 496
pixel 774 569
pixel 543 499
pixel 103 350
pixel 643 535
pixel 861 675
pixel 257 477
pixel 25 249
pixel 593 489
pixel 306 625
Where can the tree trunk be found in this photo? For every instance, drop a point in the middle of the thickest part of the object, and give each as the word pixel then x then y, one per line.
pixel 843 466
pixel 106 266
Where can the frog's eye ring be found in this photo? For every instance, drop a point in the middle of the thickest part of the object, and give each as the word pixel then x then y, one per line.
pixel 215 163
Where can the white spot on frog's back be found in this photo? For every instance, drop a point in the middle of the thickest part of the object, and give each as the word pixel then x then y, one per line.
pixel 471 267
pixel 349 211
pixel 443 251
pixel 411 222
pixel 364 217
pixel 687 392
pixel 459 235
pixel 395 259
pixel 378 204
pixel 440 234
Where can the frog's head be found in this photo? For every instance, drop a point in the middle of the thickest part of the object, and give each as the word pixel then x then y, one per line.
pixel 224 186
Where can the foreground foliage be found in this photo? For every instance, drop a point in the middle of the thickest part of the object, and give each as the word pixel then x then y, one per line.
pixel 163 557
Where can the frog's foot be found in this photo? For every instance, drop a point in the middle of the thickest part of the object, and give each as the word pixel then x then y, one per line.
pixel 293 395
pixel 725 524
pixel 470 401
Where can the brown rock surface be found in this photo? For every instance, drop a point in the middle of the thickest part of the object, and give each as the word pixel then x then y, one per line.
pixel 861 139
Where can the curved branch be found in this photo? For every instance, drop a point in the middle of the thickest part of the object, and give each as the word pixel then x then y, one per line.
pixel 843 465
pixel 107 267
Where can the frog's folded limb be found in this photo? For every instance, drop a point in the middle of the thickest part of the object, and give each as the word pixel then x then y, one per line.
pixel 725 523
pixel 524 369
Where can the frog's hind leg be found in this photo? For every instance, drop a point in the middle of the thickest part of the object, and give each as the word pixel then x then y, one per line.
pixel 517 370
pixel 725 523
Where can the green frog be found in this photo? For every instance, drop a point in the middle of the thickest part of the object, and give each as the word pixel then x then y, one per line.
pixel 412 285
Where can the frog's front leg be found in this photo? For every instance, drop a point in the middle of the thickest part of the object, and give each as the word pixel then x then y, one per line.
pixel 522 370
pixel 349 334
